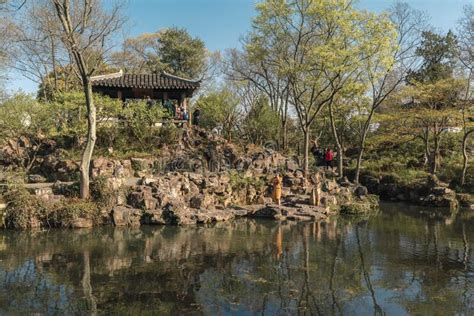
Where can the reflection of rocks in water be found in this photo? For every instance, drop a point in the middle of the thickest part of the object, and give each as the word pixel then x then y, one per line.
pixel 337 266
pixel 115 264
pixel 426 213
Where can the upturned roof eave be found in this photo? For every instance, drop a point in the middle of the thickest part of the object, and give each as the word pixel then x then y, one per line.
pixel 144 81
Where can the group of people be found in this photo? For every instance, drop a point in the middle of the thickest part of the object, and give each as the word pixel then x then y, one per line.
pixel 178 112
pixel 322 157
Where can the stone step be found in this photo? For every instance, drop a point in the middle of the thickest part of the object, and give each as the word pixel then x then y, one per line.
pixel 41 191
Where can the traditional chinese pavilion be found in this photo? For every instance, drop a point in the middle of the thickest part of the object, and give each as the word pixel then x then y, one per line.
pixel 159 87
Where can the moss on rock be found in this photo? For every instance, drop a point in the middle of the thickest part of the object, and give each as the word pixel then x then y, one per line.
pixel 364 205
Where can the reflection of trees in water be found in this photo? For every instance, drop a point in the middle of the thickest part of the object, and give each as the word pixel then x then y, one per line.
pixel 426 259
pixel 87 286
pixel 19 285
pixel 335 304
pixel 307 300
pixel 243 266
pixel 377 308
pixel 113 262
pixel 299 281
pixel 465 259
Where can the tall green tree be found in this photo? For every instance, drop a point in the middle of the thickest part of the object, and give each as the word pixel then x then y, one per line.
pixel 438 55
pixel 172 50
pixel 23 119
pixel 435 109
pixel 322 45
pixel 434 91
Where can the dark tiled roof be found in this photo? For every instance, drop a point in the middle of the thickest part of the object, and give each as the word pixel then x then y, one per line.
pixel 144 81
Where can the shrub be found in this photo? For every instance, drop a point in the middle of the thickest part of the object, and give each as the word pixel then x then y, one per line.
pixel 239 181
pixel 26 211
pixel 140 121
pixel 70 117
pixel 65 212
pixel 366 206
pixel 23 209
pixel 69 191
pixel 22 115
pixel 169 134
pixel 102 194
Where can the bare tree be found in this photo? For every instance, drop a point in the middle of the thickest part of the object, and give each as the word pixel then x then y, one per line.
pixel 86 32
pixel 409 25
pixel 6 36
pixel 11 5
pixel 265 76
pixel 37 50
pixel 5 32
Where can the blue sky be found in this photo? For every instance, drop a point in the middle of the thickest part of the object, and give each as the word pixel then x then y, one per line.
pixel 221 23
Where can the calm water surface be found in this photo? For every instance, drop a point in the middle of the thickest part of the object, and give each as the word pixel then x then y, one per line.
pixel 404 260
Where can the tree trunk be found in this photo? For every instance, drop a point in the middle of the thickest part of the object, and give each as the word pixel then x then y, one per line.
pixel 306 151
pixel 53 60
pixel 362 144
pixel 466 132
pixel 340 160
pixel 91 138
pixel 284 125
pixel 427 147
pixel 435 156
pixel 361 154
pixel 284 134
pixel 340 154
pixel 465 157
pixel 359 160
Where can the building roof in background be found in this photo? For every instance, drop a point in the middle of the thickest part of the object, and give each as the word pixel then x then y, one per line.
pixel 144 81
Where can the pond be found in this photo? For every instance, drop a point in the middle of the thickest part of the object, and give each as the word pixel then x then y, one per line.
pixel 404 260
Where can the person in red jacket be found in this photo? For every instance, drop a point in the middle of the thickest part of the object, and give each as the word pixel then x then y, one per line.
pixel 328 157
